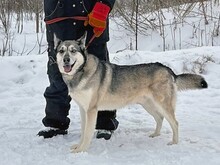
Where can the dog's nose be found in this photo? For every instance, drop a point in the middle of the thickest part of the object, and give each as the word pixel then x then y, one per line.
pixel 66 59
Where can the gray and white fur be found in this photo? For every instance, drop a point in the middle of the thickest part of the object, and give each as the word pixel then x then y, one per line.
pixel 96 85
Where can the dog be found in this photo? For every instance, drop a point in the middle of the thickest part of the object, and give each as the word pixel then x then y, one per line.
pixel 96 85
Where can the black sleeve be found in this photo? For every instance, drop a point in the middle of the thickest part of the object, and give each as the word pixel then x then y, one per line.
pixel 110 3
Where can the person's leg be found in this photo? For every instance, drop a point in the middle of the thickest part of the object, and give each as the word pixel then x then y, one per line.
pixel 57 101
pixel 56 94
pixel 106 121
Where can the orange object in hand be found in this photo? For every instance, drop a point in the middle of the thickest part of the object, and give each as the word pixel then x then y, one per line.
pixel 97 18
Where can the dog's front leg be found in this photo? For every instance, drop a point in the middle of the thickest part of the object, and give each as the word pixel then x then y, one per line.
pixel 83 120
pixel 89 128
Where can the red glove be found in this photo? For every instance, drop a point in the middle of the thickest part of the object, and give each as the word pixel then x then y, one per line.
pixel 97 18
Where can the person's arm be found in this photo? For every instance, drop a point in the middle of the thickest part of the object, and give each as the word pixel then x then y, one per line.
pixel 110 3
pixel 98 16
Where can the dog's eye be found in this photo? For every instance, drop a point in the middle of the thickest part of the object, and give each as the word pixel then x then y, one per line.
pixel 61 51
pixel 73 51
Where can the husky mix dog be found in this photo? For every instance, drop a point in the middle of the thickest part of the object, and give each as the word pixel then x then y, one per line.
pixel 97 85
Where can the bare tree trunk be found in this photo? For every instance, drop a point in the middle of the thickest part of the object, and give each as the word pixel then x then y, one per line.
pixel 204 12
pixel 136 26
pixel 37 18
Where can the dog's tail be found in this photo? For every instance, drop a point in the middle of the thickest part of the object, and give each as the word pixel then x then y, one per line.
pixel 190 81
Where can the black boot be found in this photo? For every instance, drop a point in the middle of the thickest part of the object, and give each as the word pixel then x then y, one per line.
pixel 51 132
pixel 106 134
pixel 106 124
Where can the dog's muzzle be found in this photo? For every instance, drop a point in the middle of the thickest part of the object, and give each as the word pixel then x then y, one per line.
pixel 67 66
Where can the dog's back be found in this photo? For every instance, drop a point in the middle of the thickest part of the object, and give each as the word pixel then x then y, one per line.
pixel 130 82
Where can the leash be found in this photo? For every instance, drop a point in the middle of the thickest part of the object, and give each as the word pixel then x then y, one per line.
pixel 79 18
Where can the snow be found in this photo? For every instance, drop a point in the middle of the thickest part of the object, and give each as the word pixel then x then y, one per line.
pixel 22 83
pixel 24 79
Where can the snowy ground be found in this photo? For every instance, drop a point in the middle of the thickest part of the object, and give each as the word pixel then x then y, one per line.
pixel 22 83
pixel 23 80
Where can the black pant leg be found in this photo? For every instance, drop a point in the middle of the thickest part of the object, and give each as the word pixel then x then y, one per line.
pixel 56 95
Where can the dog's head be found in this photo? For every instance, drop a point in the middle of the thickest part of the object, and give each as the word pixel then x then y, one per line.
pixel 71 55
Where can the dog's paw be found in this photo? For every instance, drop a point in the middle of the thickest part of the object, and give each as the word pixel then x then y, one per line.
pixel 171 143
pixel 154 135
pixel 76 148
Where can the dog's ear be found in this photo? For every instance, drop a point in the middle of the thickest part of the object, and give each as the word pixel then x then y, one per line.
pixel 82 40
pixel 57 41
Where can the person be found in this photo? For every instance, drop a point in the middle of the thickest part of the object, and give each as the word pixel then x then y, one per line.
pixel 56 94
